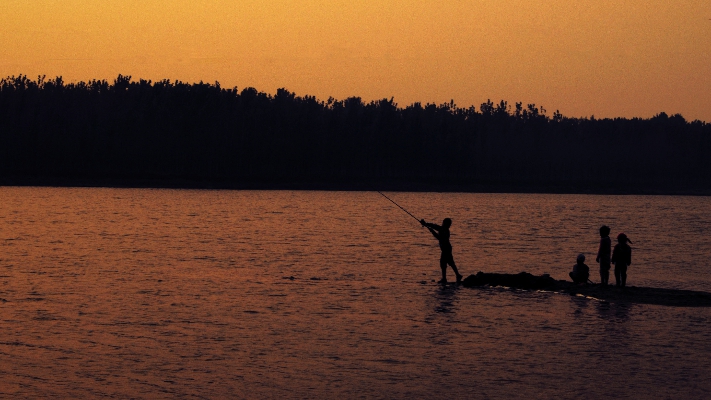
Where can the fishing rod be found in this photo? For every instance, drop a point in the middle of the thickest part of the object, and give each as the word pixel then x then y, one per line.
pixel 399 206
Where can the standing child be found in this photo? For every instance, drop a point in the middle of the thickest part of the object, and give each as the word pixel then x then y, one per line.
pixel 603 254
pixel 581 272
pixel 622 258
pixel 442 234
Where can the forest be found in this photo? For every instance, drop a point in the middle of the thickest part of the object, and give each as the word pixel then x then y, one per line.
pixel 176 134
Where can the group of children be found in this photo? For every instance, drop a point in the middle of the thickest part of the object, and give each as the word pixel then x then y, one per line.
pixel 621 256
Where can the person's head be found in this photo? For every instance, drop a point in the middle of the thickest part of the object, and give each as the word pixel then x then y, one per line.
pixel 604 231
pixel 447 223
pixel 622 238
pixel 581 258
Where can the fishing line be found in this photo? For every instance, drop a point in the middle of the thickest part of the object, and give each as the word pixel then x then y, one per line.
pixel 399 206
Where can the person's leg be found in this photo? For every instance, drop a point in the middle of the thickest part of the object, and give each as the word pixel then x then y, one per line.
pixel 577 278
pixel 443 266
pixel 623 275
pixel 604 275
pixel 617 275
pixel 450 261
pixel 609 267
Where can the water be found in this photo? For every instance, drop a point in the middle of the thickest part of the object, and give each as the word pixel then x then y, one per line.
pixel 135 293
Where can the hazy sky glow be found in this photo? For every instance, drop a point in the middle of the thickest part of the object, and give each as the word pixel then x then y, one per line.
pixel 605 58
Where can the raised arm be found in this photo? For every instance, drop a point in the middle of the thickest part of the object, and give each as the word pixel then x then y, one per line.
pixel 434 233
pixel 433 228
pixel 430 225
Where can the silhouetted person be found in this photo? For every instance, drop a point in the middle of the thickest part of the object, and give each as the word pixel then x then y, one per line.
pixel 603 254
pixel 581 272
pixel 622 258
pixel 442 234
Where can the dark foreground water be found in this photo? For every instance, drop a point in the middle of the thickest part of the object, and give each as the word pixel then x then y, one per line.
pixel 125 293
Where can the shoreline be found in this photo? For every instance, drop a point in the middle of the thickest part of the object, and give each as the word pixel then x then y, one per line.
pixel 610 293
pixel 355 186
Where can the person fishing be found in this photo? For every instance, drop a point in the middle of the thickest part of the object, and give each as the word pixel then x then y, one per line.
pixel 441 233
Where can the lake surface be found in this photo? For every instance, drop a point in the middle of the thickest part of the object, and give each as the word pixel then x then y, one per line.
pixel 139 293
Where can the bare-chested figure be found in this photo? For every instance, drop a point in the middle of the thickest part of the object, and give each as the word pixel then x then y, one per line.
pixel 442 235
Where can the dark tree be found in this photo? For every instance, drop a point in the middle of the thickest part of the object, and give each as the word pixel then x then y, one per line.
pixel 173 133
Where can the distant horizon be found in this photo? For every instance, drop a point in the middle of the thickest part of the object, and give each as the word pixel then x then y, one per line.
pixel 544 109
pixel 628 59
pixel 179 133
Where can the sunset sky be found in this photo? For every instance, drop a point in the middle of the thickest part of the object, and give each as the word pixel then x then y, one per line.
pixel 606 58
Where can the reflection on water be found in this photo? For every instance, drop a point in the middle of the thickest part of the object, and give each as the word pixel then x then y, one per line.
pixel 212 294
pixel 445 297
pixel 614 312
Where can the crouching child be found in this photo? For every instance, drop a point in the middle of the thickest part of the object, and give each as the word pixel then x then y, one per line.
pixel 581 272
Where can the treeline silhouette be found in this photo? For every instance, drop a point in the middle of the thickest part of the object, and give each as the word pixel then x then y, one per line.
pixel 169 133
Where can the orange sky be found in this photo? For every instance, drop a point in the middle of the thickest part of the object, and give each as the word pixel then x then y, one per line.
pixel 586 57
